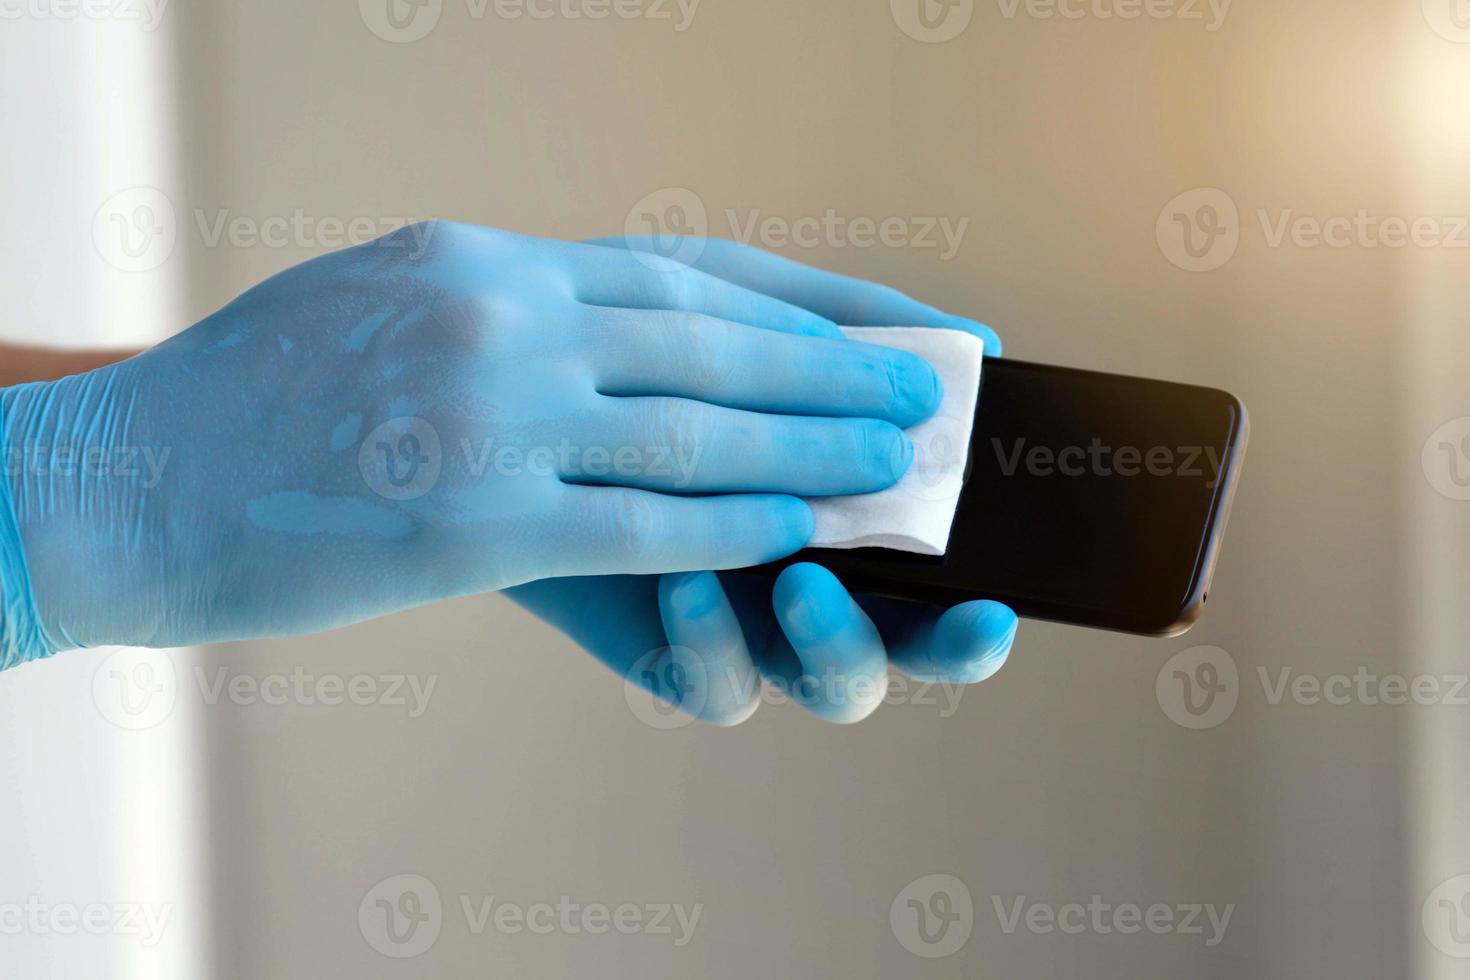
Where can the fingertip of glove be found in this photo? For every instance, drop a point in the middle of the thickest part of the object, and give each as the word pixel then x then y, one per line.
pixel 988 334
pixel 981 635
pixel 690 595
pixel 798 520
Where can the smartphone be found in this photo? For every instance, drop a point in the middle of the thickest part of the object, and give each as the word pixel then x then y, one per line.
pixel 1093 499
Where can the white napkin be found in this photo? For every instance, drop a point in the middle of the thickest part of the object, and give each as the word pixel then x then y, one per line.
pixel 915 514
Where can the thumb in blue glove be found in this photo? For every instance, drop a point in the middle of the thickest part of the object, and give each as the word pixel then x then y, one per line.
pixel 704 643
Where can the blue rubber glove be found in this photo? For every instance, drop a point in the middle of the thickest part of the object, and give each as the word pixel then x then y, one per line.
pixel 702 642
pixel 445 411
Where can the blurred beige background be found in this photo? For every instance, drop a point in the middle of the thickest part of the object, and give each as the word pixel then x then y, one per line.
pixel 1334 832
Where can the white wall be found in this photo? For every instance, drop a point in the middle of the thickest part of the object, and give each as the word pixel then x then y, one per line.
pixel 102 805
pixel 1061 141
pixel 527 778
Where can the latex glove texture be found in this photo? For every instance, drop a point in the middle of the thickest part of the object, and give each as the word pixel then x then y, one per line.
pixel 445 411
pixel 704 643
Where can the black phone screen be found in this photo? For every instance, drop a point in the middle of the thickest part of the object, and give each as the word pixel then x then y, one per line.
pixel 1090 498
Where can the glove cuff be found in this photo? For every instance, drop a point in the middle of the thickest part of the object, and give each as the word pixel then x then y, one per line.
pixel 21 637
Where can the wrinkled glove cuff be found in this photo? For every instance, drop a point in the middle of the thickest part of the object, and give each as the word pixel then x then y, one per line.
pixel 21 637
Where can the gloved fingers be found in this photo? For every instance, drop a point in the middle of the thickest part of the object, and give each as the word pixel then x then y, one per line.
pixel 750 596
pixel 723 686
pixel 682 446
pixel 673 635
pixel 843 659
pixel 645 280
pixel 966 644
pixel 584 606
pixel 737 366
pixel 616 530
pixel 840 299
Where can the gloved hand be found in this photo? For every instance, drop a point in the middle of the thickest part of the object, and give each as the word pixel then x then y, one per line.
pixel 702 641
pixel 444 411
